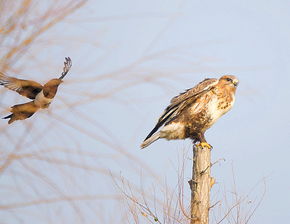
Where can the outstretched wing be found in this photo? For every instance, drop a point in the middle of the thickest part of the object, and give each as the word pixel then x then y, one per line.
pixel 66 68
pixel 22 111
pixel 178 103
pixel 27 88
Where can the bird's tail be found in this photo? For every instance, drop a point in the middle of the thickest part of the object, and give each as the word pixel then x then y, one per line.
pixel 150 140
pixel 11 118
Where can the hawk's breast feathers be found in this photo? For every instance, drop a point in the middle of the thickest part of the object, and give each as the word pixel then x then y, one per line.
pixel 180 102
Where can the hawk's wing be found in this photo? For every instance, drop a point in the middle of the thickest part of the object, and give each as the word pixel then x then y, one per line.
pixel 27 88
pixel 66 68
pixel 199 88
pixel 178 103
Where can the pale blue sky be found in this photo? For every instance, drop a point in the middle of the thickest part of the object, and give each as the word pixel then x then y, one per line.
pixel 199 39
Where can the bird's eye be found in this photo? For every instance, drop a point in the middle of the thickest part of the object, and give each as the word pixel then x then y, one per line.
pixel 229 80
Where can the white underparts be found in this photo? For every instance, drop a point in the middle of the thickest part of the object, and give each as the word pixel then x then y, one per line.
pixel 173 131
pixel 42 101
pixel 215 111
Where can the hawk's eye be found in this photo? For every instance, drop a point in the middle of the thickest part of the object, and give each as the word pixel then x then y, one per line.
pixel 229 80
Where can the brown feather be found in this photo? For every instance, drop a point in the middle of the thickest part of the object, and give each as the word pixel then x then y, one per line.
pixel 27 88
pixel 50 88
pixel 180 102
pixel 22 111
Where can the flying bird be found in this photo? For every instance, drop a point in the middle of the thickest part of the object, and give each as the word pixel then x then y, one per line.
pixel 194 111
pixel 41 96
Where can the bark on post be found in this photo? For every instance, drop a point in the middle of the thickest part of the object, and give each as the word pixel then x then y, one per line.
pixel 200 185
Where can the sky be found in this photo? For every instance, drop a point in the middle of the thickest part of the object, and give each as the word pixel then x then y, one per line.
pixel 129 59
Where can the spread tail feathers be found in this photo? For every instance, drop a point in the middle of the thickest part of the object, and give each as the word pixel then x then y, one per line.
pixel 150 140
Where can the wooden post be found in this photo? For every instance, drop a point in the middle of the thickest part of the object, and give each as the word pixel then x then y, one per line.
pixel 200 185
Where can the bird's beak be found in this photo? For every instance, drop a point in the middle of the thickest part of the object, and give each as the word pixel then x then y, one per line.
pixel 236 82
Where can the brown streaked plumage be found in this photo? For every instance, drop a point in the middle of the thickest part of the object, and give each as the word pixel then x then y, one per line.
pixel 41 95
pixel 191 113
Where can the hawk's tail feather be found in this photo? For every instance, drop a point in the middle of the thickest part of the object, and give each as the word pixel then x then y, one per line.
pixel 150 140
pixel 165 118
pixel 9 116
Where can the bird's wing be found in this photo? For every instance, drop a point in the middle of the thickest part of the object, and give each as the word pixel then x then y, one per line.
pixel 199 88
pixel 27 88
pixel 66 68
pixel 22 111
pixel 178 103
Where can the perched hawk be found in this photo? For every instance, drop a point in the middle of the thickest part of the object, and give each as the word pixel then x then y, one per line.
pixel 41 95
pixel 191 113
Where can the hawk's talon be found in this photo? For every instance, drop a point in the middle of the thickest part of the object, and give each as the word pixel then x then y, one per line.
pixel 204 145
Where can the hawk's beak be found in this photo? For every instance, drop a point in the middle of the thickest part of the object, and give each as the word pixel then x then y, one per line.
pixel 236 82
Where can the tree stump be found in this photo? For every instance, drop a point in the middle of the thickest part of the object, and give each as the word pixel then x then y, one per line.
pixel 200 185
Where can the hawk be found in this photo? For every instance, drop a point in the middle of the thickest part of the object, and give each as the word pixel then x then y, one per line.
pixel 41 96
pixel 194 111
